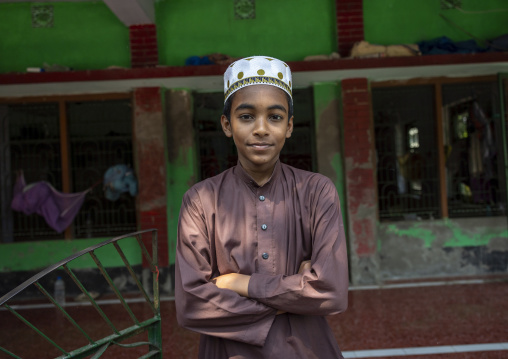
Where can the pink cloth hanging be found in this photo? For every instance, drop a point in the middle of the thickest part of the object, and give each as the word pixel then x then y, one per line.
pixel 58 209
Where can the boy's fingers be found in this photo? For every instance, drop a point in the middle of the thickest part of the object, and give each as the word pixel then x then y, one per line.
pixel 304 265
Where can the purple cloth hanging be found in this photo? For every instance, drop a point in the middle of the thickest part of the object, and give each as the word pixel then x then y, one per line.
pixel 57 208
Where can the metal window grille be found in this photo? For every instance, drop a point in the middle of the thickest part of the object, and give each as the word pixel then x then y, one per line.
pixel 100 136
pixel 34 144
pixel 473 150
pixel 406 149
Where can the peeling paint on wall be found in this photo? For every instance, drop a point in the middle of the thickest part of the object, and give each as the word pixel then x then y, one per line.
pixel 462 237
pixel 448 247
pixel 458 235
pixel 421 233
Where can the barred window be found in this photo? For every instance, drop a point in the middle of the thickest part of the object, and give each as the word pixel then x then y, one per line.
pixel 412 137
pixel 67 144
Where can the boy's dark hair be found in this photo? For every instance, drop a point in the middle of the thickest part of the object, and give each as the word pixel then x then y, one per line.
pixel 227 106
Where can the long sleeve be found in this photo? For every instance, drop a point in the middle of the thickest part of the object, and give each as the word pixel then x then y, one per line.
pixel 200 305
pixel 322 290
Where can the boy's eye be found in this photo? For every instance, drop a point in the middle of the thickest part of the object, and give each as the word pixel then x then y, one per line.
pixel 277 117
pixel 245 117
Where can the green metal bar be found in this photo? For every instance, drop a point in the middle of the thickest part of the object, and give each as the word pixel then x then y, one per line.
pixel 113 286
pixel 9 353
pixel 145 252
pixel 155 337
pixel 101 351
pixel 134 276
pixel 20 317
pixel 73 322
pixel 90 349
pixel 92 301
pixel 155 260
pixel 132 345
pixel 151 354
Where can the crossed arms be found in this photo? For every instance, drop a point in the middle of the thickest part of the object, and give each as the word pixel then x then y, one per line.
pixel 243 306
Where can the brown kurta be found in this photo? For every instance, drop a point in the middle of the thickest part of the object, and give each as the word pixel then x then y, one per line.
pixel 228 224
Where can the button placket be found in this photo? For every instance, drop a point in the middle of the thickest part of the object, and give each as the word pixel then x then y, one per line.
pixel 263 208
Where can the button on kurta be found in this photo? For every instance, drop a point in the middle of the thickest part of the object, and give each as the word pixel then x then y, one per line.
pixel 261 198
pixel 264 227
pixel 265 255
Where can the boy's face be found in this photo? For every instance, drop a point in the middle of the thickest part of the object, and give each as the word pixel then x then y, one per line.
pixel 259 125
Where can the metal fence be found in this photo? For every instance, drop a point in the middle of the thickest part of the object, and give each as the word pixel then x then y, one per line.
pixel 115 336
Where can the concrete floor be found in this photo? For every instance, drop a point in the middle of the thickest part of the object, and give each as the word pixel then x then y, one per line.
pixel 434 317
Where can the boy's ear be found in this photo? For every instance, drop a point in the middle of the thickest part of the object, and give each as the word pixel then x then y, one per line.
pixel 289 130
pixel 226 126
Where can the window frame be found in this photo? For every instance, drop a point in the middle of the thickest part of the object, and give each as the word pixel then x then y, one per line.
pixel 62 101
pixel 438 83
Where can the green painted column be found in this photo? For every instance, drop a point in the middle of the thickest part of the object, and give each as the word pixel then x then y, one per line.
pixel 181 157
pixel 329 138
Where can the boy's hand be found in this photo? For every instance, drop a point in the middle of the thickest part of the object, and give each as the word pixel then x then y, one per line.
pixel 238 283
pixel 304 265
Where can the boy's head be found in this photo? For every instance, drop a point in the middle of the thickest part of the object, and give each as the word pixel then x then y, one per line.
pixel 258 111
pixel 256 70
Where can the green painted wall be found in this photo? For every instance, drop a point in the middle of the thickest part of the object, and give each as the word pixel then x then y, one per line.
pixel 289 30
pixel 85 35
pixel 390 22
pixel 446 232
pixel 25 256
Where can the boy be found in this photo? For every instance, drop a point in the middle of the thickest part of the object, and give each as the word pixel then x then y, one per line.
pixel 261 254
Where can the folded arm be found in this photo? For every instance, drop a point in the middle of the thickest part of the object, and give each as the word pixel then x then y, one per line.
pixel 319 288
pixel 201 305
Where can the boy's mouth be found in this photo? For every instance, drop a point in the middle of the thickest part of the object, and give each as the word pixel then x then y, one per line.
pixel 260 145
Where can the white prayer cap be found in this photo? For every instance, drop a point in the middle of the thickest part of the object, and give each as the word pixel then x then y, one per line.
pixel 257 70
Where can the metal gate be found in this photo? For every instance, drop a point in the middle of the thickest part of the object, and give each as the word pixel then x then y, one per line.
pixel 96 347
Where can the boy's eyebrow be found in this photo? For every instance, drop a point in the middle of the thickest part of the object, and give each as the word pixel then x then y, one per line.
pixel 244 106
pixel 278 107
pixel 249 106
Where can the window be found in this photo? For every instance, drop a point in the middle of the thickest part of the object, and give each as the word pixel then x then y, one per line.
pixel 218 153
pixel 67 144
pixel 473 150
pixel 423 173
pixel 407 152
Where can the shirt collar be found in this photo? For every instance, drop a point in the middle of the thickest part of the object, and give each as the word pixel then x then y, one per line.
pixel 244 176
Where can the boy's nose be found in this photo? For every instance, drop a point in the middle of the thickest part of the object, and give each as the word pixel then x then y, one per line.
pixel 261 127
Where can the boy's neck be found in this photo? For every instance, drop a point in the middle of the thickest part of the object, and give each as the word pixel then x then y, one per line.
pixel 259 174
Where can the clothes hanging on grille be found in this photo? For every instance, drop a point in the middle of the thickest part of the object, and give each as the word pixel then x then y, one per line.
pixel 119 179
pixel 58 209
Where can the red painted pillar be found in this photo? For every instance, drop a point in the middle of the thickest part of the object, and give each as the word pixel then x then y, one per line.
pixel 349 24
pixel 151 166
pixel 359 153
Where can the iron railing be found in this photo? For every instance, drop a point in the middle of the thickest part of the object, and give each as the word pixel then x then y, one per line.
pixel 96 347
